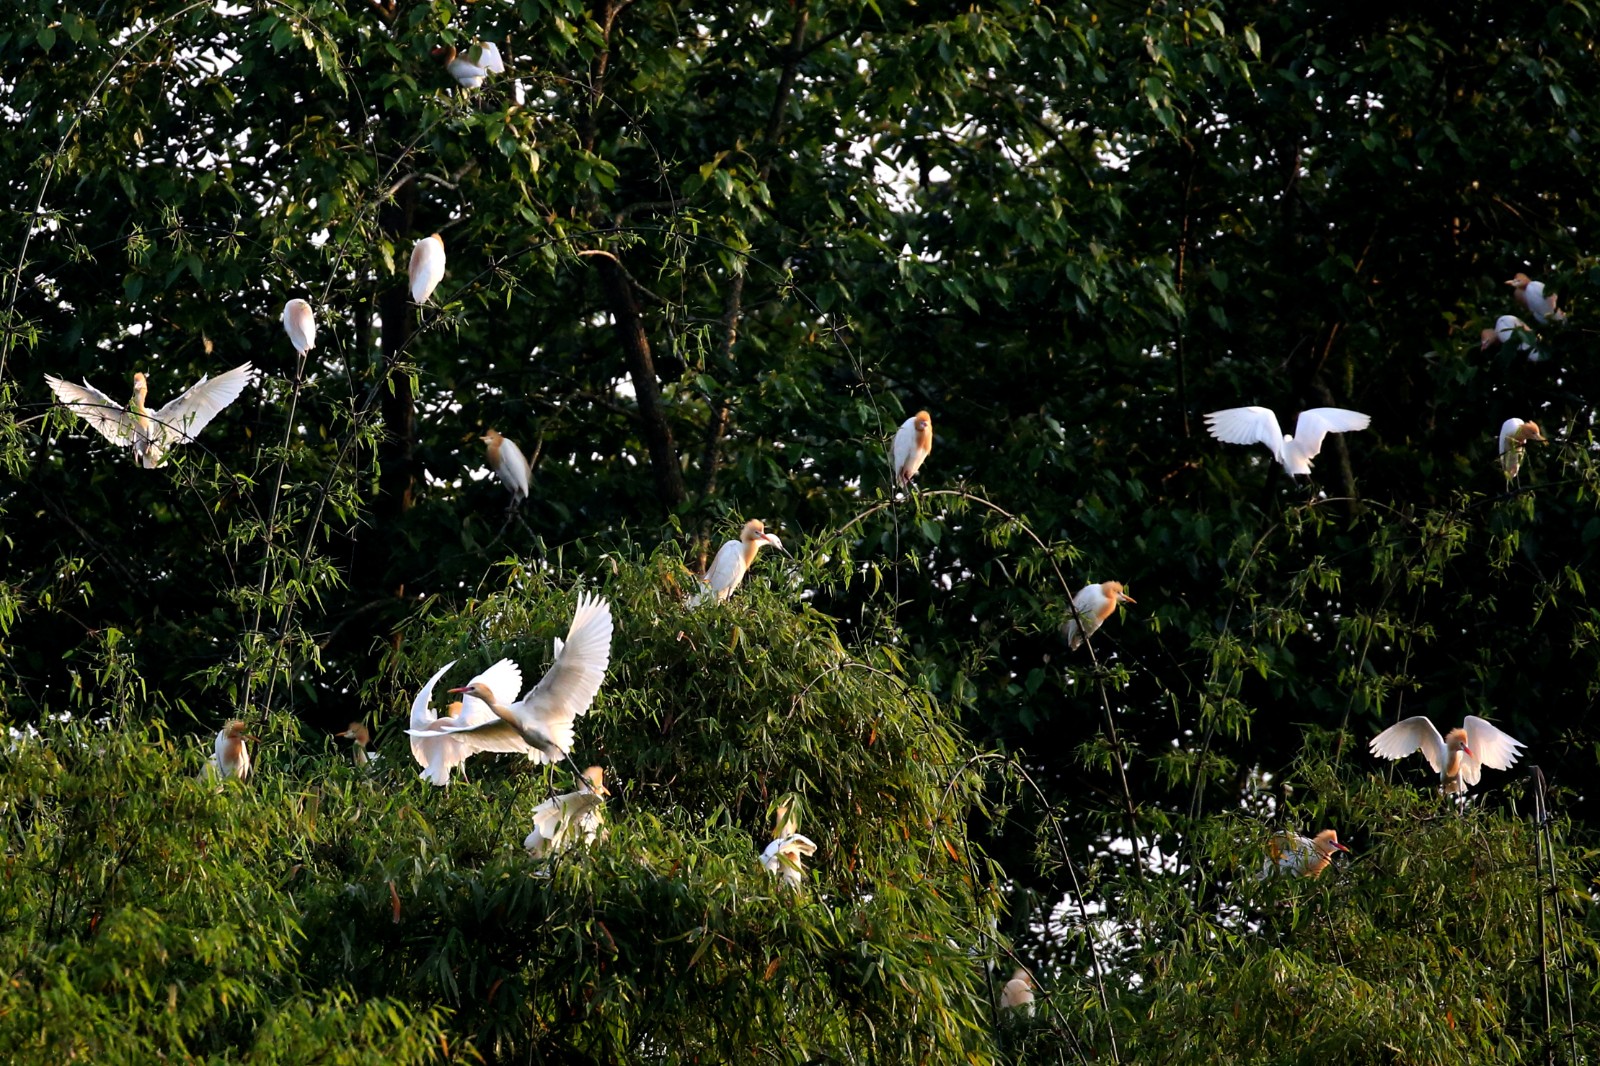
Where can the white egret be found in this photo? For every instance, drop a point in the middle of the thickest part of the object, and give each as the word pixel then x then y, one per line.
pixel 571 818
pixel 1514 437
pixel 509 465
pixel 783 857
pixel 1291 853
pixel 1531 295
pixel 427 267
pixel 1458 757
pixel 470 67
pixel 1093 604
pixel 731 561
pixel 440 744
pixel 301 325
pixel 1505 328
pixel 362 736
pixel 1258 425
pixel 230 756
pixel 152 434
pixel 1018 993
pixel 912 443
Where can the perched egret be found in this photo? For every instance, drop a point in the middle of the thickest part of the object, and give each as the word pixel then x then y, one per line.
pixel 912 443
pixel 1531 295
pixel 1257 425
pixel 152 435
pixel 509 464
pixel 1459 756
pixel 1093 604
pixel 301 325
pixel 572 818
pixel 1290 853
pixel 783 856
pixel 441 744
pixel 471 67
pixel 427 267
pixel 544 718
pixel 731 561
pixel 1018 993
pixel 1514 437
pixel 359 733
pixel 230 757
pixel 1505 328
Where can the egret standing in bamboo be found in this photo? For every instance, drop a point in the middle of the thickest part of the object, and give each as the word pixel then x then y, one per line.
pixel 427 267
pixel 230 756
pixel 571 818
pixel 1458 757
pixel 1514 437
pixel 912 443
pixel 1258 425
pixel 509 465
pixel 783 858
pixel 152 435
pixel 731 561
pixel 1291 853
pixel 1091 607
pixel 301 325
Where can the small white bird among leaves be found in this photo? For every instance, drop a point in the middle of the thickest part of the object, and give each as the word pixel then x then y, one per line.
pixel 1291 853
pixel 362 736
pixel 470 67
pixel 1531 295
pixel 301 325
pixel 1514 437
pixel 152 435
pixel 572 818
pixel 783 858
pixel 1507 327
pixel 1017 994
pixel 912 443
pixel 427 267
pixel 1458 757
pixel 436 744
pixel 1093 605
pixel 230 756
pixel 731 561
pixel 1258 425
pixel 509 465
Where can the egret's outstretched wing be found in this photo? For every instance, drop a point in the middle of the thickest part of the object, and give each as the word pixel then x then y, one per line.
pixel 422 715
pixel 1313 425
pixel 569 687
pixel 1247 425
pixel 1491 747
pixel 182 419
pixel 106 415
pixel 1413 734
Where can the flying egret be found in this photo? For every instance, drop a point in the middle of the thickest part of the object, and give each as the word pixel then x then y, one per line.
pixel 1531 295
pixel 152 435
pixel 1258 425
pixel 230 756
pixel 1514 437
pixel 912 443
pixel 362 736
pixel 509 464
pixel 782 857
pixel 440 744
pixel 1505 328
pixel 301 325
pixel 1093 604
pixel 731 561
pixel 427 267
pixel 1291 853
pixel 471 67
pixel 1018 993
pixel 1459 756
pixel 544 718
pixel 572 818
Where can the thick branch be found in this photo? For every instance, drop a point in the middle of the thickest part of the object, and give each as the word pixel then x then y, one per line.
pixel 647 391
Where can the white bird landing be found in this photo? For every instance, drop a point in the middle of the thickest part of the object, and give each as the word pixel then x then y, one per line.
pixel 571 818
pixel 1258 425
pixel 1458 757
pixel 439 752
pixel 545 718
pixel 152 435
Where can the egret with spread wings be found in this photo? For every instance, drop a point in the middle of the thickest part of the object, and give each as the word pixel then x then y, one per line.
pixel 1258 425
pixel 152 434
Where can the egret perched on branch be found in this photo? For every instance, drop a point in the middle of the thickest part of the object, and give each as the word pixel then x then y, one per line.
pixel 362 736
pixel 427 267
pixel 575 817
pixel 471 67
pixel 731 562
pixel 1093 605
pixel 1290 853
pixel 230 757
pixel 1505 328
pixel 509 465
pixel 1258 425
pixel 440 744
pixel 1459 756
pixel 545 716
pixel 301 325
pixel 1514 437
pixel 912 443
pixel 782 857
pixel 1018 993
pixel 152 434
pixel 1531 295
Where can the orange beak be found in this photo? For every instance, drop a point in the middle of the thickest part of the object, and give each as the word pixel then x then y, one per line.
pixel 1339 847
pixel 463 689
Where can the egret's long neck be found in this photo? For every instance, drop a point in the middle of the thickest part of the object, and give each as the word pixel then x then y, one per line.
pixel 1452 767
pixel 750 548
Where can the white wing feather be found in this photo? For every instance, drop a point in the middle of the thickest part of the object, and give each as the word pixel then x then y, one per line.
pixel 1413 734
pixel 182 419
pixel 569 687
pixel 1313 425
pixel 1490 746
pixel 104 414
pixel 1247 425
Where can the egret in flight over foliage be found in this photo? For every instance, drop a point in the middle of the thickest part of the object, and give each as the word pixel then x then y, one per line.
pixel 440 744
pixel 1531 295
pixel 731 561
pixel 1017 994
pixel 509 465
pixel 152 434
pixel 912 443
pixel 571 818
pixel 1093 605
pixel 427 267
pixel 1458 757
pixel 545 717
pixel 230 756
pixel 1258 425
pixel 1514 437
pixel 1291 853
pixel 301 325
